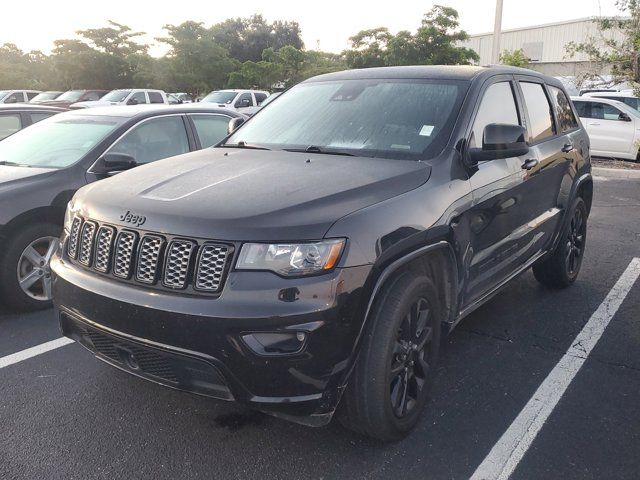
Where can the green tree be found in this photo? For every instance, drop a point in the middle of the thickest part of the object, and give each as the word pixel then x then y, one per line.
pixel 195 63
pixel 515 58
pixel 436 42
pixel 615 47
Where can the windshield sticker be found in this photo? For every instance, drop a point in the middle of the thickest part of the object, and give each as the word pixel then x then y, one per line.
pixel 426 130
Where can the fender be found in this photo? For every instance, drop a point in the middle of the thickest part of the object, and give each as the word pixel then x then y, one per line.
pixel 582 179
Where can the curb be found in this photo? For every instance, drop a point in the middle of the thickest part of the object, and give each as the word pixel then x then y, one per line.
pixel 620 173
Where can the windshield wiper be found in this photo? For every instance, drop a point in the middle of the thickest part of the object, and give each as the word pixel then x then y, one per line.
pixel 13 164
pixel 242 144
pixel 324 151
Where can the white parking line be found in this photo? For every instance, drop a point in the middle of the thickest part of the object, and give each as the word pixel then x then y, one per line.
pixel 516 440
pixel 34 351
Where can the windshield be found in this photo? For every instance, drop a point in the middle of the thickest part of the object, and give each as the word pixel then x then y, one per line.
pixel 44 96
pixel 4 93
pixel 71 95
pixel 404 119
pixel 56 142
pixel 116 95
pixel 221 96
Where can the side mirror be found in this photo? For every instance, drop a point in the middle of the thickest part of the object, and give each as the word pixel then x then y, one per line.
pixel 117 162
pixel 624 117
pixel 501 141
pixel 243 103
pixel 234 123
pixel 132 101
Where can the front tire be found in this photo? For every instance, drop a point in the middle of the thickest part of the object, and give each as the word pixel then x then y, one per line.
pixel 389 386
pixel 561 269
pixel 25 278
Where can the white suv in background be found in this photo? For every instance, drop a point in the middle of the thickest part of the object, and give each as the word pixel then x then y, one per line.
pixel 126 96
pixel 243 101
pixel 613 127
pixel 17 96
pixel 626 97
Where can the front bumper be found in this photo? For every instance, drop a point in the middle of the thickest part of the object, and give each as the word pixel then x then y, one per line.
pixel 204 345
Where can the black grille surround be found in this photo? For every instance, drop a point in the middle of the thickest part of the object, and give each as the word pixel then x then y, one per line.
pixel 160 261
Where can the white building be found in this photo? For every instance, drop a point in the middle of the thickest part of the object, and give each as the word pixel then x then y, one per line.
pixel 544 45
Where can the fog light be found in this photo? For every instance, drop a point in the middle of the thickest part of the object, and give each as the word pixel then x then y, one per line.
pixel 274 344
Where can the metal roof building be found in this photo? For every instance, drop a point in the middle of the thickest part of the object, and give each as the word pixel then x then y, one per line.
pixel 544 45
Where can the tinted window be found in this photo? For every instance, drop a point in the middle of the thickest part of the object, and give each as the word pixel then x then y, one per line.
pixel 16 97
pixel 137 98
pixel 244 100
pixel 9 124
pixel 155 97
pixel 154 139
pixel 211 128
pixel 260 97
pixel 540 113
pixel 36 117
pixel 31 95
pixel 390 118
pixel 566 119
pixel 582 108
pixel 633 102
pixel 498 106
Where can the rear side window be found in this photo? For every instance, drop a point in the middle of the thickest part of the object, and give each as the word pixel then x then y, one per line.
pixel 9 124
pixel 155 97
pixel 498 106
pixel 31 95
pixel 154 140
pixel 566 119
pixel 540 113
pixel 211 129
pixel 260 97
pixel 36 117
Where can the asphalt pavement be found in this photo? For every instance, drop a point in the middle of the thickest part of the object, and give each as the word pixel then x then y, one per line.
pixel 66 415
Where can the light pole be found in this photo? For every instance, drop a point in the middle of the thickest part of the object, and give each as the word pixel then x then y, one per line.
pixel 497 28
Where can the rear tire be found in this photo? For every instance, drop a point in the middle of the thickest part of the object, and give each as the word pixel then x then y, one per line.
pixel 561 269
pixel 26 257
pixel 392 377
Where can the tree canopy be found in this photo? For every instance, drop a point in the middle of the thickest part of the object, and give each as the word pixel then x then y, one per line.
pixel 236 53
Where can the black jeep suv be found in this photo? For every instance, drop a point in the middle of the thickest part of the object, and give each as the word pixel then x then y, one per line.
pixel 312 261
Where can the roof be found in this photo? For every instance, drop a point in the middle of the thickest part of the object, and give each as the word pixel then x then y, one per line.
pixel 449 72
pixel 29 107
pixel 149 110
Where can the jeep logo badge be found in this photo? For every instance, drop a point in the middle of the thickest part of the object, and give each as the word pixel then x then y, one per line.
pixel 132 218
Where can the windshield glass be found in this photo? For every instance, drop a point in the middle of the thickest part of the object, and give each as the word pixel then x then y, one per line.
pixel 220 96
pixel 56 142
pixel 4 93
pixel 71 95
pixel 404 119
pixel 116 95
pixel 44 96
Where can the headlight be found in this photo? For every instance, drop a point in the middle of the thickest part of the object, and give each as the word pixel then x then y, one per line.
pixel 291 259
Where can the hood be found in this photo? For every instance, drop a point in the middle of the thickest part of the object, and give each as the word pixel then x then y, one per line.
pixel 235 194
pixel 10 176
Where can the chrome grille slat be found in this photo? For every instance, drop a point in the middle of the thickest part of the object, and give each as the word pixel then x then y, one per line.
pixel 124 249
pixel 148 258
pixel 87 234
pixel 210 270
pixel 74 236
pixel 104 245
pixel 177 262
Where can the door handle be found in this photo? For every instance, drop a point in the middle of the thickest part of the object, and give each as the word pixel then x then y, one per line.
pixel 594 123
pixel 529 163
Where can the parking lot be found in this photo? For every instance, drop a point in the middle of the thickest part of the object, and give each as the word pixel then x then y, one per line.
pixel 64 414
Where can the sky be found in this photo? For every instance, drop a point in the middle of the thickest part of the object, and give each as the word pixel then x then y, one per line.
pixel 326 23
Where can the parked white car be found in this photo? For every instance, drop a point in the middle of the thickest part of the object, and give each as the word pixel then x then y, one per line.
pixel 613 127
pixel 243 101
pixel 627 97
pixel 128 96
pixel 17 96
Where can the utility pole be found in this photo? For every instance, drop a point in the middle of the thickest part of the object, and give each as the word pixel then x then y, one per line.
pixel 497 29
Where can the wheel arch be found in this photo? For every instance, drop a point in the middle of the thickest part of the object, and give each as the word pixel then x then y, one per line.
pixel 51 214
